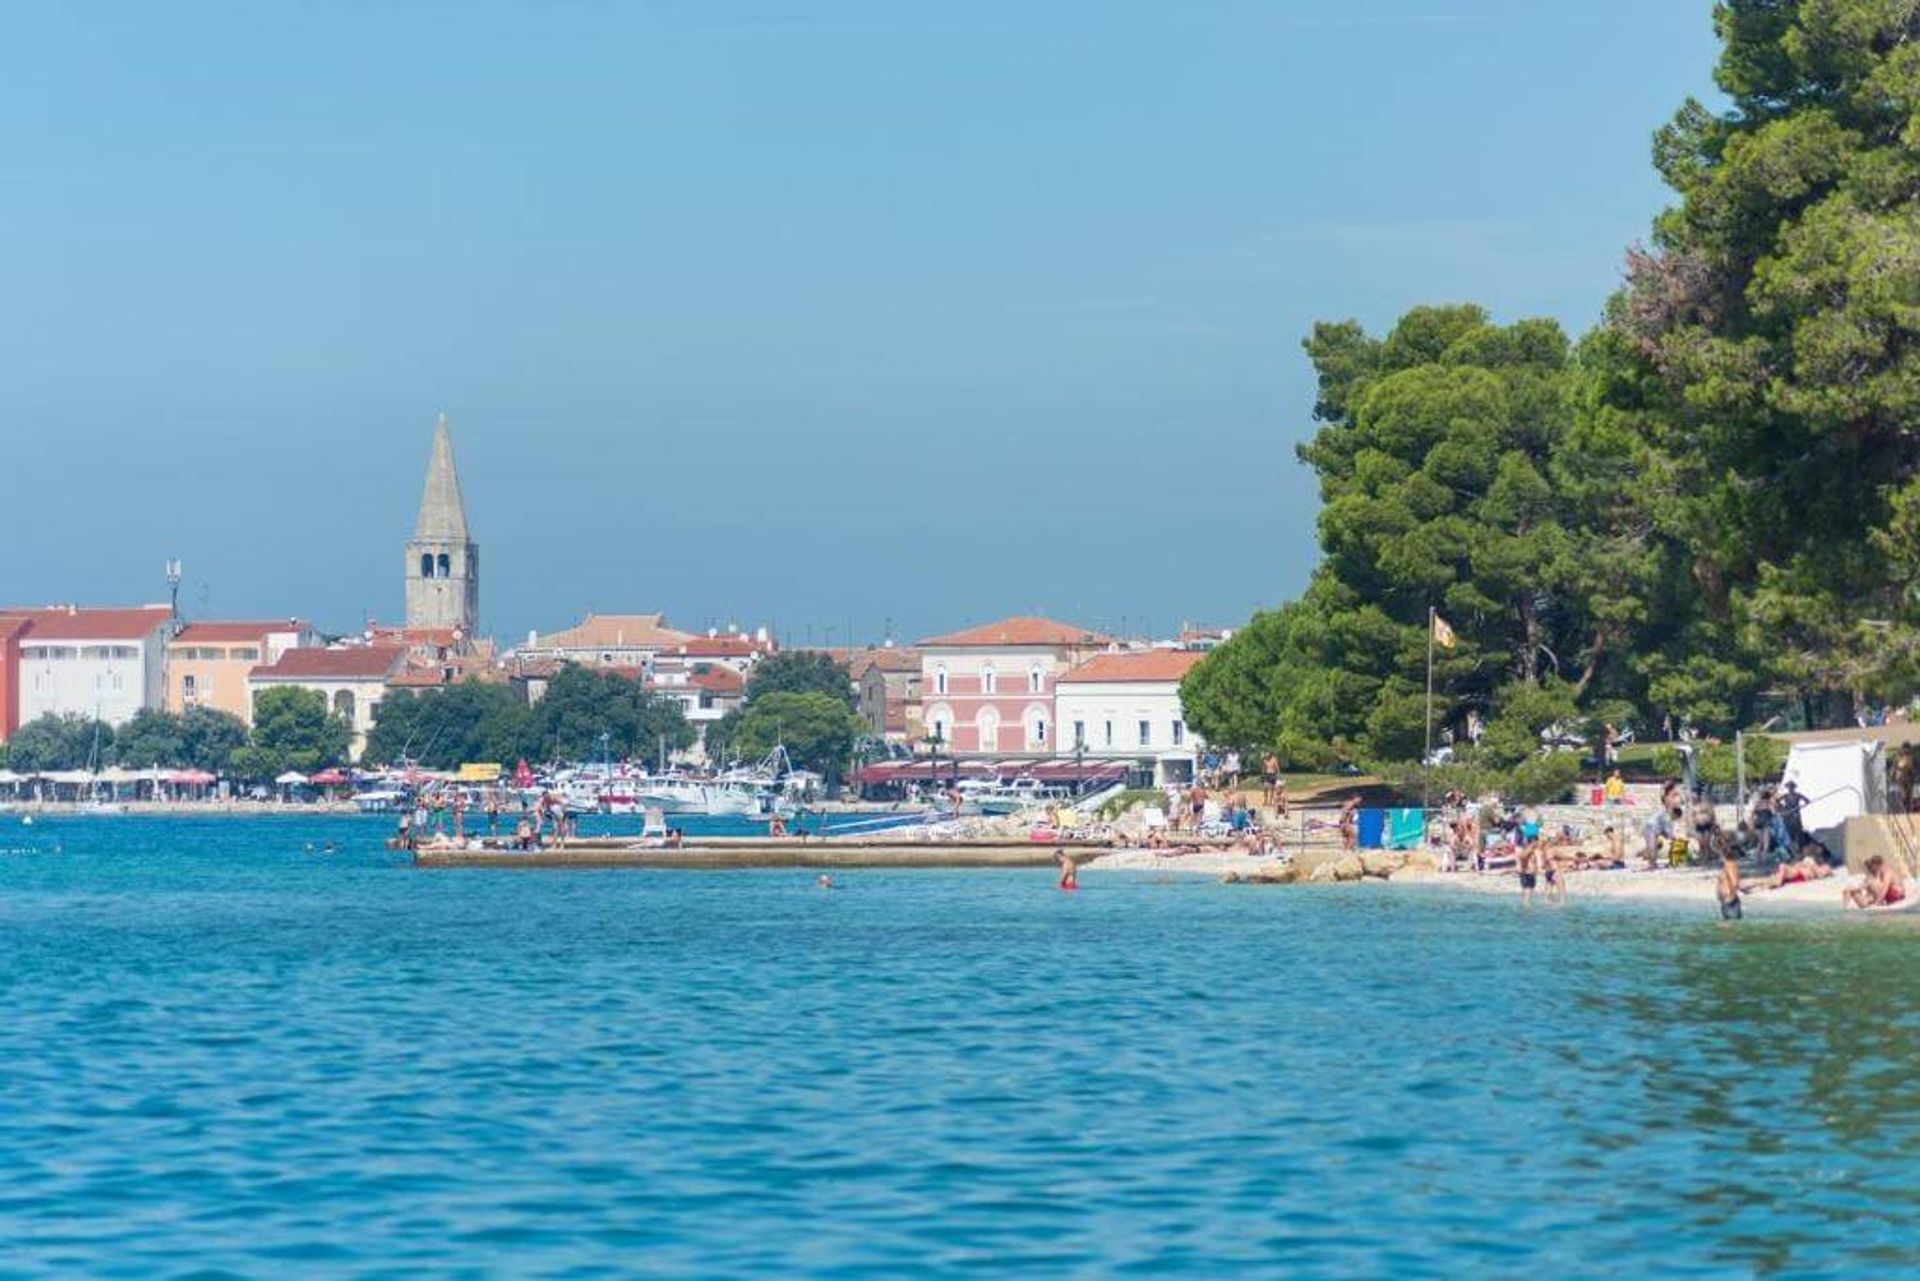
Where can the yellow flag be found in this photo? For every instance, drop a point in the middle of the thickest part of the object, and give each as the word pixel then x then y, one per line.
pixel 1442 634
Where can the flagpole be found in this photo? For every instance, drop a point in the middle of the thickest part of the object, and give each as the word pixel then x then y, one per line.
pixel 1426 762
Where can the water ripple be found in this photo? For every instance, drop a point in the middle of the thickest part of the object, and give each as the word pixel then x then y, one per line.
pixel 225 1057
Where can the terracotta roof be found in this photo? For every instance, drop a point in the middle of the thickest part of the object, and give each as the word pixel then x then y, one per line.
pixel 615 631
pixel 1019 631
pixel 417 678
pixel 721 680
pixel 1156 665
pixel 11 623
pixel 735 646
pixel 442 636
pixel 890 659
pixel 208 632
pixel 362 662
pixel 94 624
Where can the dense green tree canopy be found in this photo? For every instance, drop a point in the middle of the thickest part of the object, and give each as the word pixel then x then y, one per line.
pixel 581 704
pixel 818 730
pixel 1711 503
pixel 445 728
pixel 1441 477
pixel 60 742
pixel 209 738
pixel 801 672
pixel 1760 369
pixel 292 730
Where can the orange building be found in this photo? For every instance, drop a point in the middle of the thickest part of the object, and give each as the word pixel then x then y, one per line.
pixel 208 663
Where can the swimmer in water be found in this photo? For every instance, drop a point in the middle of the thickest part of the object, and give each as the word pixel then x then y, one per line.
pixel 1069 872
pixel 825 882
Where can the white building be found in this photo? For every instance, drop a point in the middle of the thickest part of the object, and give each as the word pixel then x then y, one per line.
pixel 105 663
pixel 1127 707
pixel 352 680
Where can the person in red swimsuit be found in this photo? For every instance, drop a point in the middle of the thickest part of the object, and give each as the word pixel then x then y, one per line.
pixel 1069 872
pixel 1885 885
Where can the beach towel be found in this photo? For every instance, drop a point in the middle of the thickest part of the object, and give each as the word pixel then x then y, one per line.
pixel 1405 829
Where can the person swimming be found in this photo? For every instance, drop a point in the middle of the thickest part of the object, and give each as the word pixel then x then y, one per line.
pixel 1069 871
pixel 825 882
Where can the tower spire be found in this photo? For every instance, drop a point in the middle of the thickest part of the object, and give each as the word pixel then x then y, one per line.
pixel 443 514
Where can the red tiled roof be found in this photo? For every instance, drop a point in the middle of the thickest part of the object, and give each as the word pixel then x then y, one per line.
pixel 1019 631
pixel 94 624
pixel 209 632
pixel 889 659
pixel 365 662
pixel 614 631
pixel 417 678
pixel 735 646
pixel 1167 665
pixel 11 623
pixel 721 680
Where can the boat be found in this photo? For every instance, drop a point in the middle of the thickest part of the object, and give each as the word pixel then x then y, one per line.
pixel 1015 797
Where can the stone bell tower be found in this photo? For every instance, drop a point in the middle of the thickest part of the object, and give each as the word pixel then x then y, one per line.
pixel 443 562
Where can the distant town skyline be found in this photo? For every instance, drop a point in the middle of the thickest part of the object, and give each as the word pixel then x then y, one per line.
pixel 924 315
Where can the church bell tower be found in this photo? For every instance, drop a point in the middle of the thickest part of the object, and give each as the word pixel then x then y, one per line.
pixel 443 562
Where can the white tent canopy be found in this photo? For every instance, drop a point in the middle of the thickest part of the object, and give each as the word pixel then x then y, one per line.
pixel 292 778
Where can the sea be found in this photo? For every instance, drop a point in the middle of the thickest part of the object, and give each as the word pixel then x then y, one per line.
pixel 227 1051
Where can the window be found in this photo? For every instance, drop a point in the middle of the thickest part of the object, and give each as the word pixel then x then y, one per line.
pixel 426 564
pixel 245 654
pixel 939 680
pixel 445 566
pixel 189 688
pixel 124 651
pixel 986 680
pixel 97 651
pixel 1079 733
pixel 988 728
pixel 1109 733
pixel 1039 733
pixel 1034 680
pixel 1179 732
pixel 1146 733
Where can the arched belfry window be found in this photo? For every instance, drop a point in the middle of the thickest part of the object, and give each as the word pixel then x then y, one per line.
pixel 446 565
pixel 426 564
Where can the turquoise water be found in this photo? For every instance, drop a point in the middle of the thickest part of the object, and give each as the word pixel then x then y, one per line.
pixel 224 1054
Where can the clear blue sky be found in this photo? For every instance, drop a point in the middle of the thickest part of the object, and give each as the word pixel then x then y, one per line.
pixel 820 313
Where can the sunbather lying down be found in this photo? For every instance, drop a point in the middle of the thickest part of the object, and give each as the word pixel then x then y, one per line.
pixel 1795 872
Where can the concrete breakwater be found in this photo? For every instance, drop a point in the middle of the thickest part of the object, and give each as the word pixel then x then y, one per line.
pixel 821 855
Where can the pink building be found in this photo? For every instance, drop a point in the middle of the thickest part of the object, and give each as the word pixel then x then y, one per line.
pixel 989 690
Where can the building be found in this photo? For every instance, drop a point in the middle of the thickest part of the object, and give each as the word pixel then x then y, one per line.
pixel 705 689
pixel 105 663
pixel 607 640
pixel 443 561
pixel 208 663
pixel 889 683
pixel 1127 707
pixel 353 680
pixel 738 650
pixel 12 628
pixel 988 690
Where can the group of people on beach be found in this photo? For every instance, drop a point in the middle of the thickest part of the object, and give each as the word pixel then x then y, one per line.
pixel 542 823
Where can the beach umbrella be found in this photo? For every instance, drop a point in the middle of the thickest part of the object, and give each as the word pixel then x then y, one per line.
pixel 331 778
pixel 292 778
pixel 190 778
pixel 522 776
